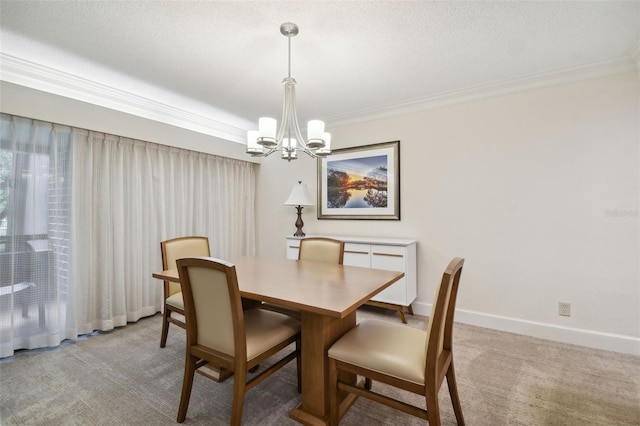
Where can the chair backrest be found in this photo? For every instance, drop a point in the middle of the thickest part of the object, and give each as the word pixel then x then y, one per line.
pixel 440 328
pixel 177 248
pixel 319 249
pixel 212 305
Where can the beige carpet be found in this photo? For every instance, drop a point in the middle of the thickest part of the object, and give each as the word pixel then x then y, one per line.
pixel 124 378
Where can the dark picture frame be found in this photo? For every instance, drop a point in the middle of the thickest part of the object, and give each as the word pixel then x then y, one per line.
pixel 361 182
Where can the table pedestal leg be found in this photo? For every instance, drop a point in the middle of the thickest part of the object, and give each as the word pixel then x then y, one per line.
pixel 319 332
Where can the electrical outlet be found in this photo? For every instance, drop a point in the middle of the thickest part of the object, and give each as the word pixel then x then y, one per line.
pixel 564 309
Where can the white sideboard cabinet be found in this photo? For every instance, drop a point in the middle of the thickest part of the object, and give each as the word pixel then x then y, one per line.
pixel 379 253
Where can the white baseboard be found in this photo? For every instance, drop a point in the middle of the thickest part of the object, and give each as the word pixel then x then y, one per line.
pixel 574 336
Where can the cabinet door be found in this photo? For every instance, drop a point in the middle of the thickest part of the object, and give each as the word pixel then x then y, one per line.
pixel 357 255
pixel 391 258
pixel 293 247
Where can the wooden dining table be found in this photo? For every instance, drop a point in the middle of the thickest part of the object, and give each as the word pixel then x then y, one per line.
pixel 327 296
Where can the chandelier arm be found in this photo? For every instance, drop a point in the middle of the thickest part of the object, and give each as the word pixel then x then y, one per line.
pixel 267 152
pixel 303 142
pixel 286 108
pixel 293 117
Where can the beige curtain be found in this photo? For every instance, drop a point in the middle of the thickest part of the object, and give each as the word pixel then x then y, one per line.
pixel 128 195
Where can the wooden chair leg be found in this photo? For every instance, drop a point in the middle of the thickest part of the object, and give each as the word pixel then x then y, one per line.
pixel 299 365
pixel 239 389
pixel 433 407
pixel 187 383
pixel 453 391
pixel 334 406
pixel 165 327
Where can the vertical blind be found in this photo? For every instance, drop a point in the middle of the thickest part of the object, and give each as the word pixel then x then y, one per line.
pixel 82 215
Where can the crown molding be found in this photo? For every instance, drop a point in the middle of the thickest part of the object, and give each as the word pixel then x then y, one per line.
pixel 36 76
pixel 615 66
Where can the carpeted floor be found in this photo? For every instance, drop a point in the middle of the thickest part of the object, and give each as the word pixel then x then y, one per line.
pixel 123 377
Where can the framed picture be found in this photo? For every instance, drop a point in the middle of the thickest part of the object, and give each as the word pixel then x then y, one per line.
pixel 361 182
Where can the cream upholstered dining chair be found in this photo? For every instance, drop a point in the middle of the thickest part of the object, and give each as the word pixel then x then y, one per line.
pixel 401 356
pixel 173 250
pixel 315 249
pixel 321 249
pixel 219 332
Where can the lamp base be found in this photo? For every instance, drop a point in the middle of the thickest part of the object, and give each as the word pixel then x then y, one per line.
pixel 299 223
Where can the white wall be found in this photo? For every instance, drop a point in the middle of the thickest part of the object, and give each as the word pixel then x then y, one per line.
pixel 538 190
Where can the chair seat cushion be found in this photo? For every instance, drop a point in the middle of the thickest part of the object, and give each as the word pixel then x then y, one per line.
pixel 393 349
pixel 265 329
pixel 176 301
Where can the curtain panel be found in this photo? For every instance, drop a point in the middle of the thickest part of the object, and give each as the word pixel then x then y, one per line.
pixel 34 233
pixel 124 197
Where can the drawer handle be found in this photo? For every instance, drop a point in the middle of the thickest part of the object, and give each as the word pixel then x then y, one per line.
pixel 356 252
pixel 295 247
pixel 388 254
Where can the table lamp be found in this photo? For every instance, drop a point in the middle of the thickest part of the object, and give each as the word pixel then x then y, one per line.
pixel 299 197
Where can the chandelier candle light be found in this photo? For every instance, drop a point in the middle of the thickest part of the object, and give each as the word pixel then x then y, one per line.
pixel 288 138
pixel 299 197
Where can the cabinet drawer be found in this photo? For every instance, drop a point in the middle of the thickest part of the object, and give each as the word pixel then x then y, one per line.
pixel 391 258
pixel 357 255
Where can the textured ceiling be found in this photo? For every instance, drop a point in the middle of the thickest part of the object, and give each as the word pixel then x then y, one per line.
pixel 349 58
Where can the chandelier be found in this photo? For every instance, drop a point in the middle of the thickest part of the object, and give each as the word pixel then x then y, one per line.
pixel 288 139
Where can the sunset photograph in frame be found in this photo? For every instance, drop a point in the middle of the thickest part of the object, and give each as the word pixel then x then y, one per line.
pixel 360 183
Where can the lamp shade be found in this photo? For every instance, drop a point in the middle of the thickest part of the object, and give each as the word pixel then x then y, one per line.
pixel 252 143
pixel 299 196
pixel 326 150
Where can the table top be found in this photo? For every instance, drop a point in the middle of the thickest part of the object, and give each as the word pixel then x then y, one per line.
pixel 317 287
